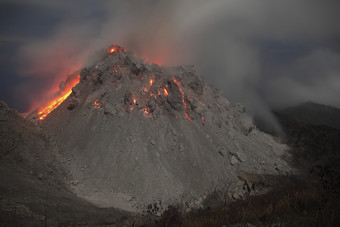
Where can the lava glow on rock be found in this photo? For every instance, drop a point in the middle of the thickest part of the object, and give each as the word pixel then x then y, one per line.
pixel 183 100
pixel 54 103
pixel 165 92
pixel 116 49
pixel 139 98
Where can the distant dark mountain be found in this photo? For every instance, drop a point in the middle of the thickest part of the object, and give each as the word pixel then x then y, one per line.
pixel 314 114
pixel 311 142
pixel 311 130
pixel 314 141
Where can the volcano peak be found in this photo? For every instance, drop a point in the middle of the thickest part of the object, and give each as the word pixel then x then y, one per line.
pixel 133 134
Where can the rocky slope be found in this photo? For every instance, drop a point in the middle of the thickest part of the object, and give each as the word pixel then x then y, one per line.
pixel 139 137
pixel 32 181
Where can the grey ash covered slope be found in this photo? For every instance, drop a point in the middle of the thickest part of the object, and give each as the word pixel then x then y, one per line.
pixel 133 134
pixel 32 180
pixel 23 144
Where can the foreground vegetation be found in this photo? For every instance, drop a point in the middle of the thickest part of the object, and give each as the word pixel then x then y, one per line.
pixel 297 203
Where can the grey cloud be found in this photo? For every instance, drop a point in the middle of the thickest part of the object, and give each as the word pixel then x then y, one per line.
pixel 314 77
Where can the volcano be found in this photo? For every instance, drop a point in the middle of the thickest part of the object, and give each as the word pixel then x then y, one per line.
pixel 140 137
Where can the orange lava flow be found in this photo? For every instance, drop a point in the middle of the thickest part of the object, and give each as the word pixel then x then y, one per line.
pixel 184 103
pixel 54 103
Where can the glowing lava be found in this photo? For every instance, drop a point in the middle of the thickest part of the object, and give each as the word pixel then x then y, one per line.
pixel 96 104
pixel 54 103
pixel 116 49
pixel 165 92
pixel 113 49
pixel 148 90
pixel 184 103
pixel 146 112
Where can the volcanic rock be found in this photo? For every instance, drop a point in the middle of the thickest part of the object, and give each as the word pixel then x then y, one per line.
pixel 174 97
pixel 152 136
pixel 233 161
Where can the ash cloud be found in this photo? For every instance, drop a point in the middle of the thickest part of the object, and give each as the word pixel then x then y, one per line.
pixel 266 54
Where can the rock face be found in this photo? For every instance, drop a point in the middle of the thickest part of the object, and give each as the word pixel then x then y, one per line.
pixel 139 137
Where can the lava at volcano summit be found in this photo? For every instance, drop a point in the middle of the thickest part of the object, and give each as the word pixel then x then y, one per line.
pixel 152 86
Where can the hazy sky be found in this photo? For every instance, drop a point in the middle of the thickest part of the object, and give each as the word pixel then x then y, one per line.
pixel 264 53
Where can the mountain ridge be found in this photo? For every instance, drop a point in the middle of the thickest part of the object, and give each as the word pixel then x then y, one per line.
pixel 313 113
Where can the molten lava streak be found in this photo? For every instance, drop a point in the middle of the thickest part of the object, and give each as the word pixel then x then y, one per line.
pixel 183 100
pixel 54 103
pixel 165 92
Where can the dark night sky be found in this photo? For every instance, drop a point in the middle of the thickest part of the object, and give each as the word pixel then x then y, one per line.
pixel 266 54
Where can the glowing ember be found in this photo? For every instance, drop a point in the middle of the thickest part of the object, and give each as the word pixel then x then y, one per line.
pixel 53 104
pixel 146 112
pixel 184 103
pixel 151 82
pixel 113 49
pixel 165 92
pixel 116 49
pixel 96 104
pixel 134 101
